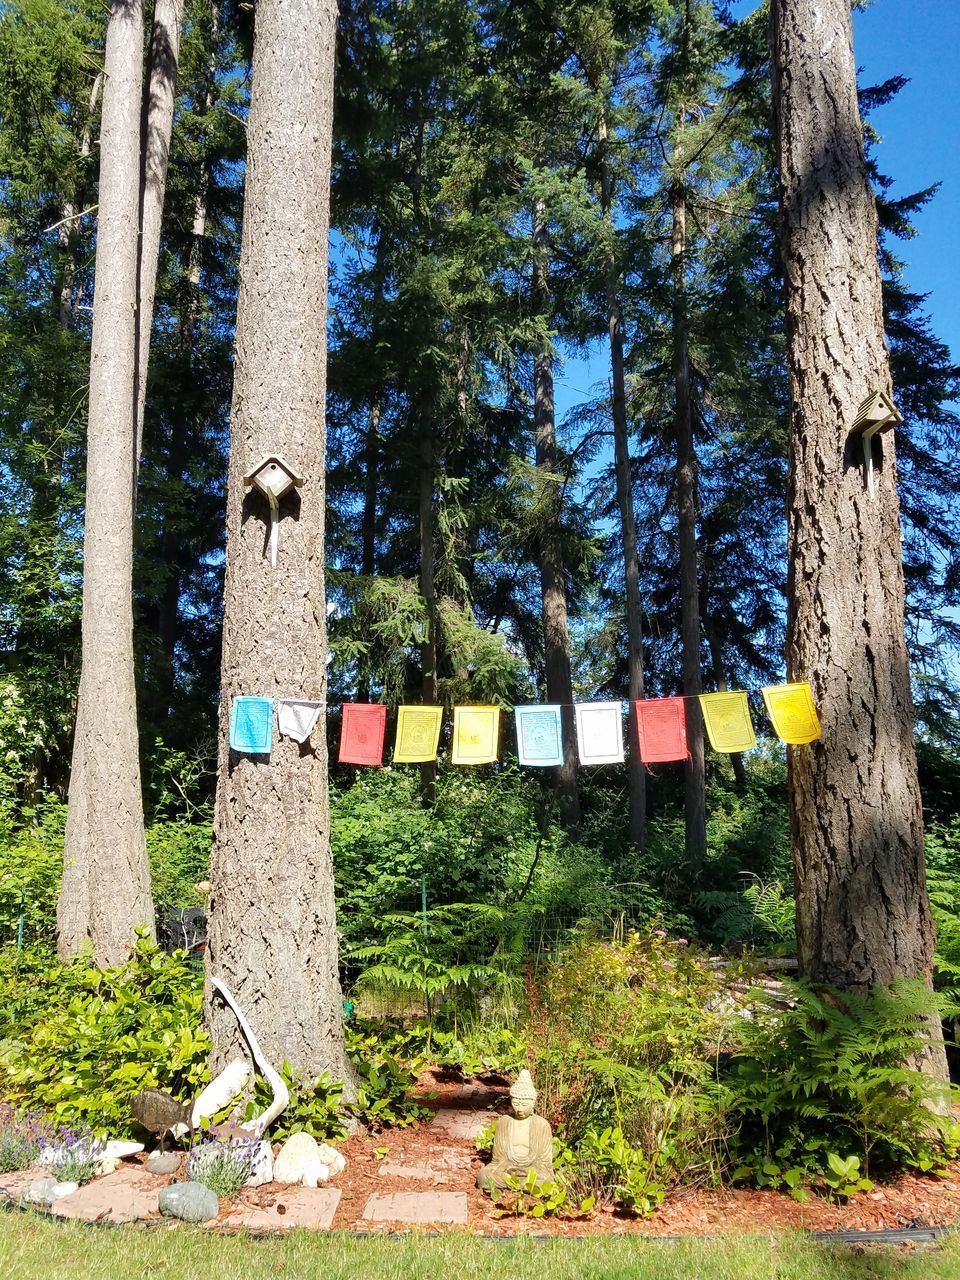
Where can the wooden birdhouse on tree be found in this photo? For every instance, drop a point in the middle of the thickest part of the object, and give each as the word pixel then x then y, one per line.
pixel 877 414
pixel 273 477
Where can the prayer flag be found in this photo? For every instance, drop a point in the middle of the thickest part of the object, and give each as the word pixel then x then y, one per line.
pixel 599 732
pixel 727 717
pixel 296 717
pixel 476 734
pixel 361 734
pixel 661 729
pixel 418 732
pixel 791 709
pixel 539 735
pixel 251 725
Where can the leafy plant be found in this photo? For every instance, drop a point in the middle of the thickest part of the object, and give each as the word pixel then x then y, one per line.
pixel 73 1156
pixel 221 1164
pixel 842 1176
pixel 22 1135
pixel 617 1171
pixel 528 1198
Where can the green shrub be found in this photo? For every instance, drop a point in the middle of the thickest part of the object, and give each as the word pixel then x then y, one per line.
pixel 820 1074
pixel 624 1034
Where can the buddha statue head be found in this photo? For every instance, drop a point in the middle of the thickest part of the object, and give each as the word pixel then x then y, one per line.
pixel 523 1095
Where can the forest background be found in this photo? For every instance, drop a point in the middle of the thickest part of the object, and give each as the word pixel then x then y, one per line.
pixel 478 222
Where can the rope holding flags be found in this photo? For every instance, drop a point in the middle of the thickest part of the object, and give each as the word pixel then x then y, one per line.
pixel 659 723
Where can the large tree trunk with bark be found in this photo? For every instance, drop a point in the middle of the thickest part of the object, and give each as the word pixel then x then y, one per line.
pixel 636 773
pixel 428 647
pixel 695 825
pixel 553 584
pixel 105 893
pixel 863 917
pixel 272 931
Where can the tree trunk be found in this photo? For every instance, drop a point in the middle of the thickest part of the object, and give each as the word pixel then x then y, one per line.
pixel 68 231
pixel 157 126
pixel 105 893
pixel 695 842
pixel 628 526
pixel 428 649
pixel 553 586
pixel 272 930
pixel 863 917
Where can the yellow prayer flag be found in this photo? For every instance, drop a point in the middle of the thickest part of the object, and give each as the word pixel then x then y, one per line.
pixel 418 732
pixel 476 734
pixel 727 717
pixel 791 709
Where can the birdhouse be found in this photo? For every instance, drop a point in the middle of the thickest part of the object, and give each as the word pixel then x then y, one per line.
pixel 877 414
pixel 273 478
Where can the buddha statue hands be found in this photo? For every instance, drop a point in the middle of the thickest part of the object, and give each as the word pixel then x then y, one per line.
pixel 521 1142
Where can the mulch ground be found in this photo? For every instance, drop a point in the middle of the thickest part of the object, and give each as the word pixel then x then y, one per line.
pixel 910 1201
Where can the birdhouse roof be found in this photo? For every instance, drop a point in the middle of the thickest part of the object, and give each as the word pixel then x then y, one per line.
pixel 877 411
pixel 266 461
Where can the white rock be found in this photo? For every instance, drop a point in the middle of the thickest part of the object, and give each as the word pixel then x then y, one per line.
pixel 332 1158
pixel 109 1164
pixel 119 1150
pixel 262 1170
pixel 300 1161
pixel 63 1189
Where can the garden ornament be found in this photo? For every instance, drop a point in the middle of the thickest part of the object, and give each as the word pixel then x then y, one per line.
pixel 521 1142
pixel 877 414
pixel 273 477
pixel 281 1095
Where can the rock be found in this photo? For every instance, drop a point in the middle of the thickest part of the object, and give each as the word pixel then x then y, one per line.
pixel 332 1158
pixel 109 1164
pixel 189 1201
pixel 300 1161
pixel 262 1170
pixel 163 1162
pixel 47 1190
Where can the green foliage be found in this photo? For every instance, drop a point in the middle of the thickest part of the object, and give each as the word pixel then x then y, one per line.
pixel 623 1034
pixel 221 1164
pixel 820 1073
pixel 528 1198
pixel 74 1157
pixel 615 1171
pixel 78 1042
pixel 315 1106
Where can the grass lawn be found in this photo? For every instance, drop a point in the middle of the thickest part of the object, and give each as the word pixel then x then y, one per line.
pixel 33 1249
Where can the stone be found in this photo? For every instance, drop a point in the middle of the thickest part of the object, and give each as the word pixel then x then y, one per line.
pixel 45 1191
pixel 262 1170
pixel 309 1207
pixel 521 1142
pixel 335 1161
pixel 417 1206
pixel 461 1124
pixel 389 1169
pixel 190 1201
pixel 300 1161
pixel 163 1162
pixel 127 1195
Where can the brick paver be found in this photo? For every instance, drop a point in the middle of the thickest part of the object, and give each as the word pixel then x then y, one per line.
pixel 309 1207
pixel 461 1124
pixel 417 1207
pixel 123 1196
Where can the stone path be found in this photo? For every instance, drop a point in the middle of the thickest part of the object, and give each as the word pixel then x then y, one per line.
pixel 123 1196
pixel 461 1124
pixel 309 1207
pixel 417 1207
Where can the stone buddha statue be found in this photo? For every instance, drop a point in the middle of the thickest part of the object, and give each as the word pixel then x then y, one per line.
pixel 521 1142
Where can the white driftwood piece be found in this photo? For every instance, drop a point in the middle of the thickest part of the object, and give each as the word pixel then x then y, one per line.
pixel 281 1095
pixel 229 1084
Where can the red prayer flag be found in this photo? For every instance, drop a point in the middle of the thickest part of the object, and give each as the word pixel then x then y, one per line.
pixel 361 735
pixel 661 729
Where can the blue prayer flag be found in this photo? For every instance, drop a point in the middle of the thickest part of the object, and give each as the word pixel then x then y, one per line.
pixel 539 735
pixel 251 725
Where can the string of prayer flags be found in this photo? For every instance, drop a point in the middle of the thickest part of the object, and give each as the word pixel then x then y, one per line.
pixel 792 713
pixel 251 725
pixel 539 735
pixel 476 735
pixel 599 732
pixel 362 733
pixel 418 733
pixel 727 717
pixel 296 717
pixel 661 729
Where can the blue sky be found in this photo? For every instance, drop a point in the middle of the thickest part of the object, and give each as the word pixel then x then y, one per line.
pixel 919 39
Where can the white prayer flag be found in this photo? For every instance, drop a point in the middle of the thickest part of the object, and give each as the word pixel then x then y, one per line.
pixel 297 716
pixel 599 732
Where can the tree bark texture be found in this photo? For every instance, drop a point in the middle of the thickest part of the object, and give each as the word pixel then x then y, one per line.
pixel 553 585
pixel 695 815
pixel 863 917
pixel 157 126
pixel 105 893
pixel 272 928
pixel 636 774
